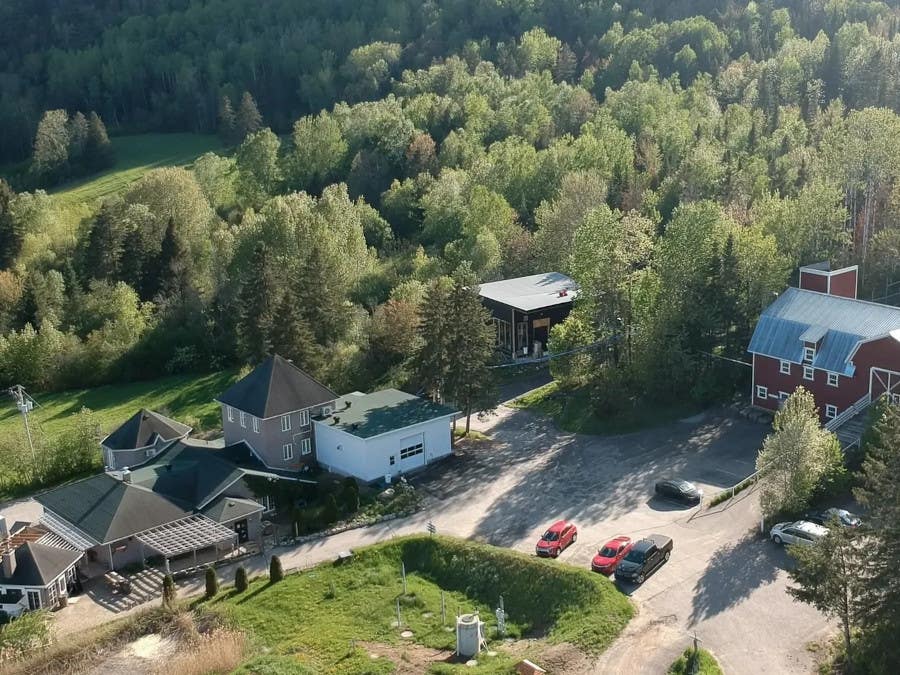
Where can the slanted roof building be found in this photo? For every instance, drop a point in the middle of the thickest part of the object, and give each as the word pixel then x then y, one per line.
pixel 525 308
pixel 140 438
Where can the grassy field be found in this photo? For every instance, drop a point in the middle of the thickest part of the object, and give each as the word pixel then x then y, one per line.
pixel 707 663
pixel 135 156
pixel 187 398
pixel 571 410
pixel 332 619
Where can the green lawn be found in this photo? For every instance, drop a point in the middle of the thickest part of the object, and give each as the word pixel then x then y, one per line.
pixel 572 410
pixel 187 398
pixel 135 156
pixel 708 663
pixel 313 620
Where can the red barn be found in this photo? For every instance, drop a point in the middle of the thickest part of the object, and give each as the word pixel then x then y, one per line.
pixel 844 350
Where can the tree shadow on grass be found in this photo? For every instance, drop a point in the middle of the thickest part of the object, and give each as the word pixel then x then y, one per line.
pixel 733 573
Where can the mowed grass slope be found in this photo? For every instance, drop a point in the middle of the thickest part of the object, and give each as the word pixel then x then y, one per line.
pixel 187 398
pixel 312 621
pixel 135 156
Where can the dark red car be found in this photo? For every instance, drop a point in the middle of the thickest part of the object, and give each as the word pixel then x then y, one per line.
pixel 610 554
pixel 557 538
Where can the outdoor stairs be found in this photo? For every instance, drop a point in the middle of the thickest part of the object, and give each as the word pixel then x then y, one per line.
pixel 850 425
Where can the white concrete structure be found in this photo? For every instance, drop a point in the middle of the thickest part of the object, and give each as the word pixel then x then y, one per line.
pixel 388 433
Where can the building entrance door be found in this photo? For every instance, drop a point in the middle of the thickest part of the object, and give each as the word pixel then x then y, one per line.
pixel 243 532
pixel 541 331
pixel 34 600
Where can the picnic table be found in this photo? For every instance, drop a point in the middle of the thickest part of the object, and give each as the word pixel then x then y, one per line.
pixel 117 582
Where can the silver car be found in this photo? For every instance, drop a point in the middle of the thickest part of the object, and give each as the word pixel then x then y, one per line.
pixel 800 532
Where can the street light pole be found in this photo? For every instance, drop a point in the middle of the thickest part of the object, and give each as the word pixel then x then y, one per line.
pixel 24 404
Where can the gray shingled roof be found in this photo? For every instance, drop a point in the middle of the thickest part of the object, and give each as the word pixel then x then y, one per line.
pixel 275 387
pixel 142 429
pixel 383 411
pixel 532 292
pixel 107 509
pixel 841 322
pixel 38 565
pixel 225 509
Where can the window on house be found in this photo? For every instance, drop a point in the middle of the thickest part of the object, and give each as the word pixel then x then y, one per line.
pixel 895 399
pixel 503 334
pixel 832 379
pixel 230 412
pixel 809 373
pixel 391 460
pixel 522 335
pixel 830 411
pixel 304 418
pixel 256 424
pixel 243 419
pixel 267 503
pixel 287 451
pixel 285 422
pixel 762 392
pixel 785 367
pixel 809 353
pixel 783 395
pixel 412 451
pixel 305 446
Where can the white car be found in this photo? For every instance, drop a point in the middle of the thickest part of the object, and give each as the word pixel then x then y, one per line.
pixel 799 532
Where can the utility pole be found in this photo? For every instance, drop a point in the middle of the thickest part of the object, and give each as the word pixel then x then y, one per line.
pixel 24 403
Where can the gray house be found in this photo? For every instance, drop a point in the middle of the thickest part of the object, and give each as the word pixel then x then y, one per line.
pixel 35 576
pixel 140 438
pixel 271 411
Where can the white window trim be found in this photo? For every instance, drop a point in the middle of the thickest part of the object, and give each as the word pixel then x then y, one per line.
pixel 285 422
pixel 256 424
pixel 784 367
pixel 809 354
pixel 833 379
pixel 304 418
pixel 287 452
pixel 243 420
pixel 782 395
pixel 761 391
pixel 305 446
pixel 830 411
pixel 230 412
pixel 809 373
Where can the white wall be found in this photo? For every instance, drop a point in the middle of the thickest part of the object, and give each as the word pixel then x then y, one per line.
pixel 369 459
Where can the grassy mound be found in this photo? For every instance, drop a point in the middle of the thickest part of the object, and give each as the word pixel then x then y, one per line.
pixel 332 619
pixel 684 664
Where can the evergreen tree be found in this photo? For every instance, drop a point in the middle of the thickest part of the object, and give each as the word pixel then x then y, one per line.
pixel 102 254
pixel 256 301
pixel 169 592
pixel 241 582
pixel 227 122
pixel 212 582
pixel 248 119
pixel 292 338
pixel 98 151
pixel 51 144
pixel 276 572
pixel 172 265
pixel 78 133
pixel 11 233
pixel 470 383
pixel 433 360
pixel 326 314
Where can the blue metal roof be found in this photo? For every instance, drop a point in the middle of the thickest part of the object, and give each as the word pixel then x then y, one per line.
pixel 799 314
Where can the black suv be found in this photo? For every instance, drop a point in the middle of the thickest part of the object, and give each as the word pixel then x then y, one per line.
pixel 644 558
pixel 678 490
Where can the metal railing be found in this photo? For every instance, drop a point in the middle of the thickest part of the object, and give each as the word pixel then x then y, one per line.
pixel 854 409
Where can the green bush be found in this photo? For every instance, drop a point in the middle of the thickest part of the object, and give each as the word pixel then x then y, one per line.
pixel 212 582
pixel 276 572
pixel 706 663
pixel 168 592
pixel 330 511
pixel 240 579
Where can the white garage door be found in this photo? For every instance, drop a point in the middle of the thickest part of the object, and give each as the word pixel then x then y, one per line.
pixel 412 452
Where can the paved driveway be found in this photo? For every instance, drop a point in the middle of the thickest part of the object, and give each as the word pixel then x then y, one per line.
pixel 723 581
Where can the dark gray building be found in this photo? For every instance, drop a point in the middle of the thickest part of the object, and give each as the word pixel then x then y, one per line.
pixel 140 438
pixel 524 309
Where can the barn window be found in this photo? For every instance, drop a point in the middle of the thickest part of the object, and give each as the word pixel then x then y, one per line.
pixel 762 392
pixel 809 373
pixel 809 353
pixel 832 379
pixel 785 367
pixel 830 411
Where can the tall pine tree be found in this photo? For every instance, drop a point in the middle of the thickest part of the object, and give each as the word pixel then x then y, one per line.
pixel 98 150
pixel 433 362
pixel 227 122
pixel 292 337
pixel 256 306
pixel 248 119
pixel 11 233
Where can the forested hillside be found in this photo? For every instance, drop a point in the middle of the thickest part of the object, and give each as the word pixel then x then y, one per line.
pixel 678 159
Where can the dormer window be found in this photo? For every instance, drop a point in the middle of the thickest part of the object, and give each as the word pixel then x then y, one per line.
pixel 809 353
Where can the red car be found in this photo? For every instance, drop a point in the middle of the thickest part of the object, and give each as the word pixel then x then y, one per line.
pixel 612 552
pixel 556 539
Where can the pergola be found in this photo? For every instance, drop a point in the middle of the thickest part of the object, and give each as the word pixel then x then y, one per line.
pixel 186 535
pixel 76 538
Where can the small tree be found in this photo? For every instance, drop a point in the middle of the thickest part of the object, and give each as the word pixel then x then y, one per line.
pixel 796 457
pixel 350 495
pixel 276 572
pixel 168 592
pixel 240 579
pixel 330 510
pixel 827 577
pixel 212 582
pixel 248 120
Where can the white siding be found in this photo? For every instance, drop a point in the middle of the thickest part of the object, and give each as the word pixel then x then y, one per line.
pixel 369 459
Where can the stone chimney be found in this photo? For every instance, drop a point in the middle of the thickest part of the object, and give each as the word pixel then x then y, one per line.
pixel 819 277
pixel 8 564
pixel 4 530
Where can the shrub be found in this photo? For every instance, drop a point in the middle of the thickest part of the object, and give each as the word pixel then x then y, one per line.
pixel 276 572
pixel 240 579
pixel 212 582
pixel 350 497
pixel 330 510
pixel 168 592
